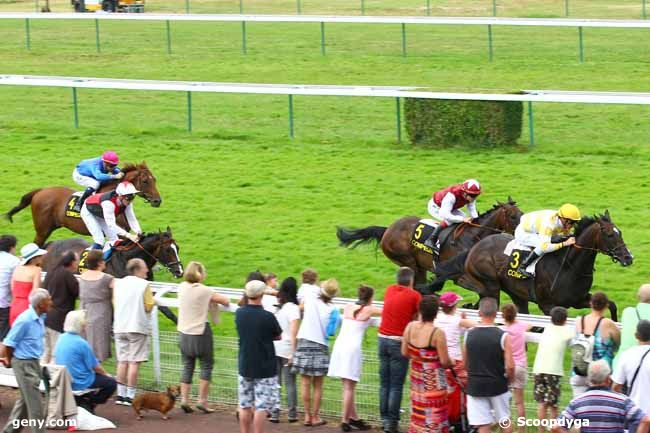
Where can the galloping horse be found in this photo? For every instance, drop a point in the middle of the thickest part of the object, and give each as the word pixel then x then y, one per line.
pixel 152 248
pixel 562 278
pixel 395 241
pixel 49 204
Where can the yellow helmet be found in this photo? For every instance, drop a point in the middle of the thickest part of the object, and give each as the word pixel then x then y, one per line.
pixel 570 212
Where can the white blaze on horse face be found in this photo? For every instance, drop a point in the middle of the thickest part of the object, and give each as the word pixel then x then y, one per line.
pixel 178 260
pixel 617 231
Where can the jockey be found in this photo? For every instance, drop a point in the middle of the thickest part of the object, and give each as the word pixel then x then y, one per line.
pixel 99 213
pixel 91 173
pixel 445 205
pixel 541 228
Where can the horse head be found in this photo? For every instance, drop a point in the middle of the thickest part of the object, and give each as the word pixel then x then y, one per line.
pixel 142 178
pixel 165 250
pixel 605 237
pixel 502 216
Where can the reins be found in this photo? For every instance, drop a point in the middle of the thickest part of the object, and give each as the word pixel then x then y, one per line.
pixel 167 266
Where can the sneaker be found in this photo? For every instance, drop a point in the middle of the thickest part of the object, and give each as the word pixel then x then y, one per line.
pixel 360 424
pixel 119 400
pixel 127 401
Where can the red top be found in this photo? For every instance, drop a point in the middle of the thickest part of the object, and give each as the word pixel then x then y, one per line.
pixel 94 203
pixel 400 306
pixel 20 302
pixel 456 190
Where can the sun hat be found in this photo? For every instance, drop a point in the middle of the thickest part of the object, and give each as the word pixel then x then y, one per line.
pixel 449 299
pixel 329 288
pixel 30 251
pixel 254 289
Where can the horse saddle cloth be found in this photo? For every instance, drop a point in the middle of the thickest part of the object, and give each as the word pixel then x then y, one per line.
pixel 517 253
pixel 69 207
pixel 421 238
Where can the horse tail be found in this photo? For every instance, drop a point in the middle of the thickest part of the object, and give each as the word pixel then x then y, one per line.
pixel 25 201
pixel 451 269
pixel 352 238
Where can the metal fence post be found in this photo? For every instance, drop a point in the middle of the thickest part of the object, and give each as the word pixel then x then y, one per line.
pixel 581 43
pixel 644 10
pixel 187 6
pixel 322 38
pixel 291 116
pixel 241 6
pixel 28 37
pixel 169 37
pixel 398 113
pixel 403 39
pixel 531 127
pixel 566 8
pixel 97 42
pixel 363 7
pixel 428 7
pixel 298 7
pixel 189 111
pixel 155 342
pixel 243 37
pixel 494 8
pixel 75 107
pixel 490 48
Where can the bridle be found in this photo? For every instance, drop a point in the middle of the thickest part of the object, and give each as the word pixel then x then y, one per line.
pixel 167 243
pixel 136 179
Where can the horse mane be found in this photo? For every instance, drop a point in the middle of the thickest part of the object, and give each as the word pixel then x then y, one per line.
pixel 129 167
pixel 498 205
pixel 586 221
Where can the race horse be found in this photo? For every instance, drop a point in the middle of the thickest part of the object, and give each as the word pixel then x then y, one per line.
pixel 562 278
pixel 50 205
pixel 396 240
pixel 154 248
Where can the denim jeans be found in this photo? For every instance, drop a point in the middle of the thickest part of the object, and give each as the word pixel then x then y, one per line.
pixel 392 373
pixel 287 380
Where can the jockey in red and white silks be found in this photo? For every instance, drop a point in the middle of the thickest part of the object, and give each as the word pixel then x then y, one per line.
pixel 100 211
pixel 445 205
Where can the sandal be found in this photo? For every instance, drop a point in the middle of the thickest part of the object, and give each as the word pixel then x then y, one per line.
pixel 204 409
pixel 187 408
pixel 360 424
pixel 319 423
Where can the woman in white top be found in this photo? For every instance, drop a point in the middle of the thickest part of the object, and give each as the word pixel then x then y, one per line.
pixel 454 324
pixel 195 333
pixel 288 315
pixel 311 359
pixel 345 362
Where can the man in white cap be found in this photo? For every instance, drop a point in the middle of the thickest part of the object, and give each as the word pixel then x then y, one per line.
pixel 257 330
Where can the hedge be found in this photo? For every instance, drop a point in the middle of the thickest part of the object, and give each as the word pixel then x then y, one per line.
pixel 441 122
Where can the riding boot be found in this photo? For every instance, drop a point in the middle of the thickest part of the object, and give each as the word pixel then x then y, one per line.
pixel 434 237
pixel 523 265
pixel 87 193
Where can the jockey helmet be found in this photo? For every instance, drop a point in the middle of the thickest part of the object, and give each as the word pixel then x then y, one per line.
pixel 126 188
pixel 110 157
pixel 570 212
pixel 471 187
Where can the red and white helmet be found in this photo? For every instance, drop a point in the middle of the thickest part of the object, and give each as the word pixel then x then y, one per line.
pixel 126 188
pixel 471 187
pixel 110 157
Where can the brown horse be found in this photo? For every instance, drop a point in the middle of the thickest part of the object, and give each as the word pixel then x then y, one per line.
pixel 395 241
pixel 562 278
pixel 49 204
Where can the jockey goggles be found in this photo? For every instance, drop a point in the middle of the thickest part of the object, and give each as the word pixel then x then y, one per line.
pixel 129 197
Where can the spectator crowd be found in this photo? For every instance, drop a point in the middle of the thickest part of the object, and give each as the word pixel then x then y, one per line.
pixel 460 372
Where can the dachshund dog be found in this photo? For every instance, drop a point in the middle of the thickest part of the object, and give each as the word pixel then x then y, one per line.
pixel 163 402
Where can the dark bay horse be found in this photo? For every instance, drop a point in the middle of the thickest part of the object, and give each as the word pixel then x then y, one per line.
pixel 395 240
pixel 154 248
pixel 562 278
pixel 49 204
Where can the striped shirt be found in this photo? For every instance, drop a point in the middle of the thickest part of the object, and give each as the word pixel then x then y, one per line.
pixel 604 411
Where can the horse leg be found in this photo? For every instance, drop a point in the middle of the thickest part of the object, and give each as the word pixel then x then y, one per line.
pixel 42 233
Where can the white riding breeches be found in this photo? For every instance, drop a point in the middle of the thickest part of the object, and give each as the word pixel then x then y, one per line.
pixel 98 227
pixel 434 211
pixel 85 181
pixel 532 240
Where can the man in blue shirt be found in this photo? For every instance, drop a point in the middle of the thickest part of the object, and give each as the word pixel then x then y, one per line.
pixel 92 173
pixel 77 356
pixel 23 347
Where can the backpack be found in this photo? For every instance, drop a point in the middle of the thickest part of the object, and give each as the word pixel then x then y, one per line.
pixel 582 349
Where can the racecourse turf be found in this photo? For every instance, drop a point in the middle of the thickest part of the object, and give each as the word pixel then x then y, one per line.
pixel 240 195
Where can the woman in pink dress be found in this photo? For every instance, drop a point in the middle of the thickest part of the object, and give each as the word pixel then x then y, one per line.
pixel 26 277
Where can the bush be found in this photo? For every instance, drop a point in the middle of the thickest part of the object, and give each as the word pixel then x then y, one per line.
pixel 441 122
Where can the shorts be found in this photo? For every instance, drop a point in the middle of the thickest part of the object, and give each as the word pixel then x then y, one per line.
pixel 132 347
pixel 520 379
pixel 479 409
pixel 547 389
pixel 262 394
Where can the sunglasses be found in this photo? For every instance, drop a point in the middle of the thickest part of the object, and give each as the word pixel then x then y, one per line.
pixel 129 197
